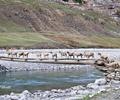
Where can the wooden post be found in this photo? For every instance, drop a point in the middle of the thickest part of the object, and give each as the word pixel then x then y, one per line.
pixel 25 59
pixel 11 59
pixel 55 59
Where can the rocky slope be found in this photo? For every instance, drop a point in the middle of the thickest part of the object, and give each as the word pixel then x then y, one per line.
pixel 45 24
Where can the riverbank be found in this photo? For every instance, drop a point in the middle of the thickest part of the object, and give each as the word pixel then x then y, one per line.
pixel 73 93
pixel 103 85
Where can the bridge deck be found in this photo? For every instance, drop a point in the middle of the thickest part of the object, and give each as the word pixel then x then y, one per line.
pixel 52 61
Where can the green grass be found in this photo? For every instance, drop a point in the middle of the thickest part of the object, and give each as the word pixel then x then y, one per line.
pixel 9 26
pixel 12 34
pixel 29 39
pixel 16 1
pixel 21 39
pixel 86 98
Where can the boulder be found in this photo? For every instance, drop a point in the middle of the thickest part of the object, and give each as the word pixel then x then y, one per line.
pixel 78 87
pixel 92 86
pixel 100 63
pixel 25 92
pixel 115 82
pixel 117 70
pixel 101 81
pixel 111 75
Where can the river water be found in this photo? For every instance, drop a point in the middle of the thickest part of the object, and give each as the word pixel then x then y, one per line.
pixel 46 80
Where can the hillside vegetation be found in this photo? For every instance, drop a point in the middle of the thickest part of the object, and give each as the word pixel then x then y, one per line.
pixel 43 24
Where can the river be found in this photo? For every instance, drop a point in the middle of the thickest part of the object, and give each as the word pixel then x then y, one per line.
pixel 46 80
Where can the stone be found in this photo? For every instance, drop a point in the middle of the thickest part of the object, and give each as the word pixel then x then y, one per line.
pixel 100 63
pixel 101 81
pixel 111 75
pixel 14 97
pixel 54 90
pixel 92 86
pixel 115 82
pixel 25 92
pixel 78 88
pixel 117 78
pixel 117 70
pixel 110 69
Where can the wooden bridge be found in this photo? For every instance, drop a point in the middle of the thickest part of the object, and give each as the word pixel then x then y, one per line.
pixel 51 61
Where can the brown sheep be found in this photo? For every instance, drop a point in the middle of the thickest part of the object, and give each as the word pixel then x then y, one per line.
pixel 71 54
pixel 88 54
pixel 79 55
pixel 24 54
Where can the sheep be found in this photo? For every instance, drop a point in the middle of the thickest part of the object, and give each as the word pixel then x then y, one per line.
pixel 24 54
pixel 79 55
pixel 55 56
pixel 14 54
pixel 11 52
pixel 71 54
pixel 39 55
pixel 64 54
pixel 46 55
pixel 88 54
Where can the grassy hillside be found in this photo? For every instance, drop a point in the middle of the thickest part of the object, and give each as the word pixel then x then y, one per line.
pixel 40 24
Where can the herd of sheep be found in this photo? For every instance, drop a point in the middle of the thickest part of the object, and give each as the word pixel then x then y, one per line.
pixel 54 55
pixel 62 54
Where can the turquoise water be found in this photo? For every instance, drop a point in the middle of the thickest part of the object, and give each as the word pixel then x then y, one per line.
pixel 45 80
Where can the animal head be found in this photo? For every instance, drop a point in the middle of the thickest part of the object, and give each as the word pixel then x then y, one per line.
pixel 51 52
pixel 67 51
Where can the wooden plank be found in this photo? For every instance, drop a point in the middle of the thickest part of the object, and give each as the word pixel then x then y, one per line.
pixel 46 58
pixel 51 61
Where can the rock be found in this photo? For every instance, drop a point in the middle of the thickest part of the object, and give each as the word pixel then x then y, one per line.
pixel 115 82
pixel 67 90
pixel 108 80
pixel 54 90
pixel 101 81
pixel 92 86
pixel 117 78
pixel 110 69
pixel 99 63
pixel 117 70
pixel 12 93
pixel 78 88
pixel 111 75
pixel 118 75
pixel 73 92
pixel 25 92
pixel 60 91
pixel 15 97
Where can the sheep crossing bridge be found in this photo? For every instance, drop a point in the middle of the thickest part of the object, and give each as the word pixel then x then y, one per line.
pixel 51 61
